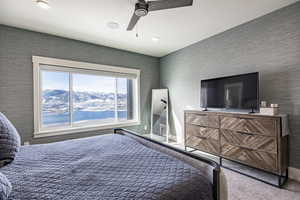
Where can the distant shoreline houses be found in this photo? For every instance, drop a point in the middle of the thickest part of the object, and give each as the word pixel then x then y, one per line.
pixel 57 101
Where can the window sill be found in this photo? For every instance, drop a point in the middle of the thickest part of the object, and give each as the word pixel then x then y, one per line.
pixel 67 131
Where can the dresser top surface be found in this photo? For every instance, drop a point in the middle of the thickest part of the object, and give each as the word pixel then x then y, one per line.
pixel 233 113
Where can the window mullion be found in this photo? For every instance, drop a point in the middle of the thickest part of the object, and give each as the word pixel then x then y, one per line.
pixel 71 98
pixel 116 100
pixel 40 101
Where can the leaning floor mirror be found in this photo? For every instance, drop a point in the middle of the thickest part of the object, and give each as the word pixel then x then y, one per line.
pixel 160 115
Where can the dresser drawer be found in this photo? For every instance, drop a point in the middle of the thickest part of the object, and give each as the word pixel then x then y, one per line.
pixel 202 138
pixel 261 126
pixel 202 132
pixel 250 141
pixel 258 159
pixel 207 120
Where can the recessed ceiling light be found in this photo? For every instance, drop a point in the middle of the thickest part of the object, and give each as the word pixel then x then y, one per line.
pixel 113 25
pixel 155 39
pixel 43 4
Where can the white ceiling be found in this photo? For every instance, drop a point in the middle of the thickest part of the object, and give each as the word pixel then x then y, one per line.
pixel 176 28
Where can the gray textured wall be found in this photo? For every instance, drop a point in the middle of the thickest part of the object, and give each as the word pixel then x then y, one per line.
pixel 269 45
pixel 16 83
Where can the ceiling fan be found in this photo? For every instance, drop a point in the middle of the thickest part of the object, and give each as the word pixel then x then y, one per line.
pixel 142 8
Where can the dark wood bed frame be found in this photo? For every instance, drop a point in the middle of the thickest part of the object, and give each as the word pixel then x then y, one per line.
pixel 216 167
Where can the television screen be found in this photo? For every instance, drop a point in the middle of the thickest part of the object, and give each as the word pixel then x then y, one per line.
pixel 234 92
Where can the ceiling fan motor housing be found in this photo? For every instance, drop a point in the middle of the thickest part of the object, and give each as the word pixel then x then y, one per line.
pixel 141 9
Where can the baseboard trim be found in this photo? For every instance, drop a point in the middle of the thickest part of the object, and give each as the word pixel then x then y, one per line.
pixel 294 173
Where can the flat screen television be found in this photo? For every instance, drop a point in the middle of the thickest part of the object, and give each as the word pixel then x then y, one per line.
pixel 232 92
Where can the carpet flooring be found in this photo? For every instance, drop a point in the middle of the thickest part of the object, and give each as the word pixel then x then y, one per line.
pixel 235 186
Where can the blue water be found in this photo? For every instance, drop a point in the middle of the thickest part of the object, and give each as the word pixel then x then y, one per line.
pixel 64 118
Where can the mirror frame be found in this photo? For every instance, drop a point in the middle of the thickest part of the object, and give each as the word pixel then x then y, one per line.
pixel 167 113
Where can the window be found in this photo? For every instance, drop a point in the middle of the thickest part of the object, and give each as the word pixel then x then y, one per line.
pixel 74 96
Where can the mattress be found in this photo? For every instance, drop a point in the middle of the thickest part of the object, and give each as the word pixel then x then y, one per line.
pixel 104 167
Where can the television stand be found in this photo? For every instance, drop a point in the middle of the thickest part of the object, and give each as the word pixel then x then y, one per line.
pixel 252 110
pixel 205 109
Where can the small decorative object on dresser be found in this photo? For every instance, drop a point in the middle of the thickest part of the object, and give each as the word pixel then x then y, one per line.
pixel 272 110
pixel 255 140
pixel 263 104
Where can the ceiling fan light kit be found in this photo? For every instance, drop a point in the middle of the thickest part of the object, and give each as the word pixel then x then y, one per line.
pixel 142 8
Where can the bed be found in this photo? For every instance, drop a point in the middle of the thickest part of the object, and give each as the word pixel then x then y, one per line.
pixel 122 165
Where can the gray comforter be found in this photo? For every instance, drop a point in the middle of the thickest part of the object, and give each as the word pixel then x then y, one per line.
pixel 102 167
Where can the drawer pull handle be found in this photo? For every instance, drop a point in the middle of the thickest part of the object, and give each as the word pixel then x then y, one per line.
pixel 245 118
pixel 244 133
pixel 200 137
pixel 203 115
pixel 199 125
pixel 246 148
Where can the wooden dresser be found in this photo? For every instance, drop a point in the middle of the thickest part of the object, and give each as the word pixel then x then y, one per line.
pixel 250 139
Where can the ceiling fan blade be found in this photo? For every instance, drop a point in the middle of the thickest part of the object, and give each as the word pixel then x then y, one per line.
pixel 167 4
pixel 133 22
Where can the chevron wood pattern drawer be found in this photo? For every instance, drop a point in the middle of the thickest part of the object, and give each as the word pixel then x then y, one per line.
pixel 254 140
pixel 250 141
pixel 203 138
pixel 262 126
pixel 259 159
pixel 207 120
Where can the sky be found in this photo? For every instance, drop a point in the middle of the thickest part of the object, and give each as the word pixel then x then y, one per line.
pixel 82 82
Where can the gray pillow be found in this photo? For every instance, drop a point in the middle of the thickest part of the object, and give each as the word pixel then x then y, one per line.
pixel 5 187
pixel 9 141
